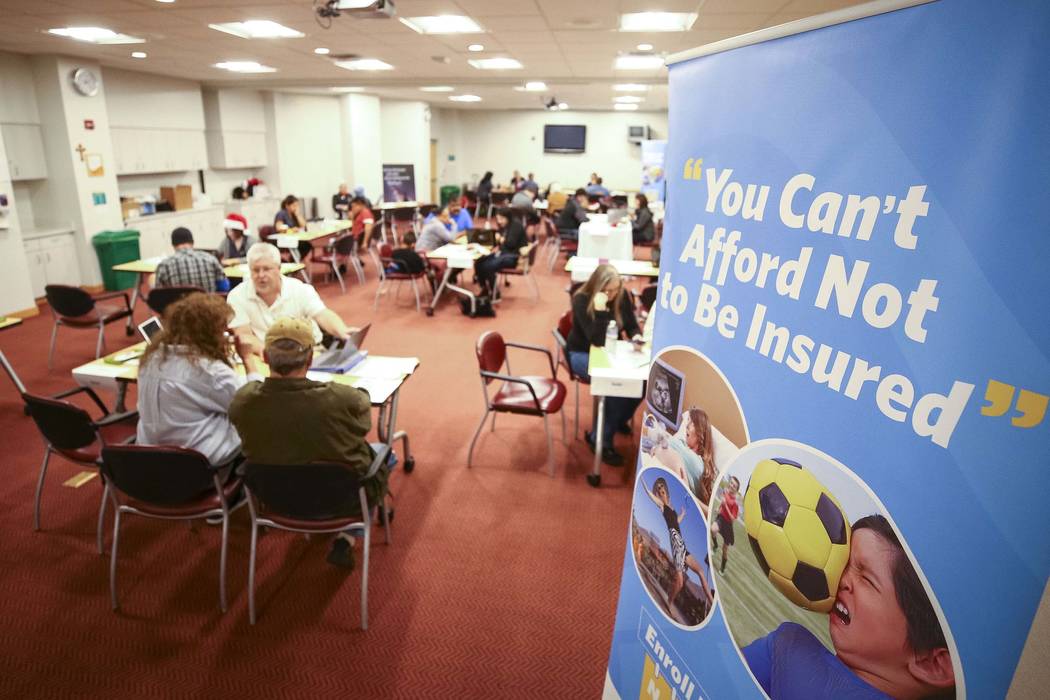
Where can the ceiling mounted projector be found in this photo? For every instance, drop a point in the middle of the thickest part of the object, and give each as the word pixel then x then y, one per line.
pixel 362 9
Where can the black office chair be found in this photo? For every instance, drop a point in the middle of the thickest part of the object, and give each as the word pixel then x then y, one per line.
pixel 167 483
pixel 318 498
pixel 160 298
pixel 73 307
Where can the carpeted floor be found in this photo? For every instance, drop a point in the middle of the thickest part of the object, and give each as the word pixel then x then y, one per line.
pixel 500 581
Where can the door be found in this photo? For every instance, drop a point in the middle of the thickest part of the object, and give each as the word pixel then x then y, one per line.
pixel 433 171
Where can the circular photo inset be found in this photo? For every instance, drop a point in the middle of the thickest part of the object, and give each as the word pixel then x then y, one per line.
pixel 819 590
pixel 693 425
pixel 666 529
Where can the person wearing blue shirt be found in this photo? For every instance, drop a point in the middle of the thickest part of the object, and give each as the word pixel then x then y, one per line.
pixel 597 189
pixel 887 638
pixel 457 215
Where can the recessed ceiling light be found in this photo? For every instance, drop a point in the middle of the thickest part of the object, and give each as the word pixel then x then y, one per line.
pixel 535 86
pixel 364 64
pixel 630 87
pixel 657 21
pixel 563 106
pixel 475 48
pixel 95 35
pixel 166 1
pixel 644 47
pixel 245 67
pixel 625 108
pixel 321 51
pixel 633 61
pixel 258 29
pixel 442 24
pixel 464 98
pixel 496 64
pixel 138 54
pixel 437 88
pixel 347 89
pixel 628 99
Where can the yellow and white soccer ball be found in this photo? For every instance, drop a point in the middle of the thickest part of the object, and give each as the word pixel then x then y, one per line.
pixel 798 532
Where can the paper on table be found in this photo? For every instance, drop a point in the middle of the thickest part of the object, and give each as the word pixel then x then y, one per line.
pixel 155 260
pixel 375 366
pixel 319 376
pixel 379 388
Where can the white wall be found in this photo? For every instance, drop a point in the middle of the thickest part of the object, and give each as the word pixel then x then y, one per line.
pixel 363 154
pixel 140 100
pixel 502 141
pixel 310 149
pixel 406 139
pixel 18 102
pixel 16 293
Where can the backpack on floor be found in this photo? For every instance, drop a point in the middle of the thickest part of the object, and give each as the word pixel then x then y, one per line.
pixel 482 307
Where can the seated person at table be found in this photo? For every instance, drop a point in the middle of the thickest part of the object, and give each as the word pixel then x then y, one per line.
pixel 359 191
pixel 341 202
pixel 267 295
pixel 364 222
pixel 289 419
pixel 643 230
pixel 437 232
pixel 572 215
pixel 189 267
pixel 530 183
pixel 289 218
pixel 522 199
pixel 511 238
pixel 236 242
pixel 600 301
pixel 516 181
pixel 597 189
pixel 187 380
pixel 460 216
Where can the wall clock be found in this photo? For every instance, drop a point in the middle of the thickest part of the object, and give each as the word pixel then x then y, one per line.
pixel 85 82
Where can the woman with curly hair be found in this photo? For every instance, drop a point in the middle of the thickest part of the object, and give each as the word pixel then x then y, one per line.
pixel 187 380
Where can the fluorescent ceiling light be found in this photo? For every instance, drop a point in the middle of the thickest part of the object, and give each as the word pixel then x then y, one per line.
pixel 475 48
pixel 627 99
pixel 644 47
pixel 347 89
pixel 95 35
pixel 630 87
pixel 166 1
pixel 437 88
pixel 245 67
pixel 138 54
pixel 364 64
pixel 496 64
pixel 632 61
pixel 657 21
pixel 321 51
pixel 442 24
pixel 535 86
pixel 464 98
pixel 257 29
pixel 625 108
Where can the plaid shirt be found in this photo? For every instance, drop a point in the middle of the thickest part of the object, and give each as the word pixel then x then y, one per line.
pixel 190 268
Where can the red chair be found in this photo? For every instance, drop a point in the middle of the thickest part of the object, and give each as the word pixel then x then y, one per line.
pixel 341 253
pixel 73 307
pixel 386 259
pixel 561 337
pixel 71 432
pixel 530 396
pixel 523 269
pixel 166 483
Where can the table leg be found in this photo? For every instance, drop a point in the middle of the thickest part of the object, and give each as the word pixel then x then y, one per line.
pixel 122 395
pixel 595 477
pixel 137 291
pixel 11 373
pixel 441 287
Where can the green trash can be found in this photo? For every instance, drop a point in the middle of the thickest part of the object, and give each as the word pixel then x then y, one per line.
pixel 449 193
pixel 113 248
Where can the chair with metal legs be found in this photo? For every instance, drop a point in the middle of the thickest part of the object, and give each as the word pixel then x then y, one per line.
pixel 341 253
pixel 167 483
pixel 69 431
pixel 561 337
pixel 529 396
pixel 385 253
pixel 315 498
pixel 523 269
pixel 75 308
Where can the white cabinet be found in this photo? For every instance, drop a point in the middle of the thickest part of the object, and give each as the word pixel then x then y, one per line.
pixel 139 151
pixel 24 144
pixel 52 260
pixel 155 231
pixel 236 149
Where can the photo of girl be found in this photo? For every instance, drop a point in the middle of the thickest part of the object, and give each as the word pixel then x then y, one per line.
pixel 883 637
pixel 665 521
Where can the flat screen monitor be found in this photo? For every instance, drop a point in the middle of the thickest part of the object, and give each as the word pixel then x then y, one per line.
pixel 564 138
pixel 665 394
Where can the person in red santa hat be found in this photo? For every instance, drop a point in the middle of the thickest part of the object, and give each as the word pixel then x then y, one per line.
pixel 237 241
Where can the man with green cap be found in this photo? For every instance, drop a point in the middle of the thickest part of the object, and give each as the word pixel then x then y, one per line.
pixel 290 419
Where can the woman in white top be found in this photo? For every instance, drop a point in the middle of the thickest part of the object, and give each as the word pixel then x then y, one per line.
pixel 187 380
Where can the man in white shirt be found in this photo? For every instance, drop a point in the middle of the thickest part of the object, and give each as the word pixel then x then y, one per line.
pixel 267 295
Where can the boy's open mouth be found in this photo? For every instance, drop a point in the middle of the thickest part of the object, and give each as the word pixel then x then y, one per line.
pixel 842 612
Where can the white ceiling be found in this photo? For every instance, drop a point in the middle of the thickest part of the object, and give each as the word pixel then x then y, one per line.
pixel 569 44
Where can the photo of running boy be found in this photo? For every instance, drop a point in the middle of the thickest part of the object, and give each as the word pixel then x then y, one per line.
pixel 664 519
pixel 728 511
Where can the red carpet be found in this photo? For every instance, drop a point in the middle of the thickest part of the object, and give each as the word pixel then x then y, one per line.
pixel 500 582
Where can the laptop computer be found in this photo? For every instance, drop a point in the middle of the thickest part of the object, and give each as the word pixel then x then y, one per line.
pixel 149 328
pixel 481 236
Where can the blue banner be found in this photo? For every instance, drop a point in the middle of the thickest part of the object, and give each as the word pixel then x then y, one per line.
pixel 843 479
pixel 654 174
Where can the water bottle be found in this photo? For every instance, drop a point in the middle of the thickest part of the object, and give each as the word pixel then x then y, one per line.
pixel 611 336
